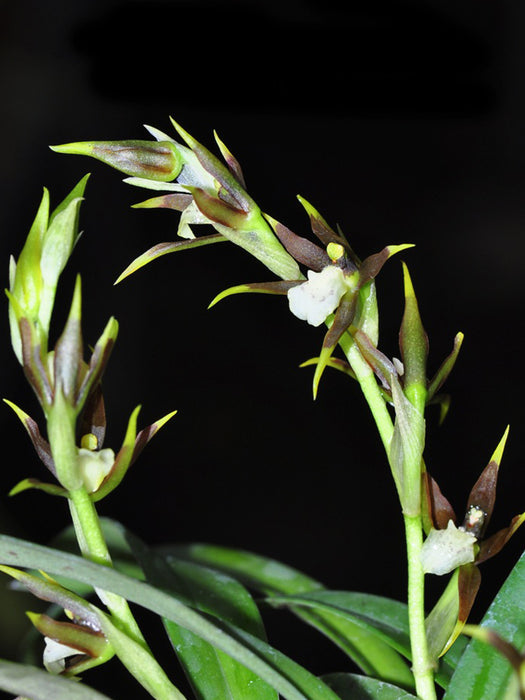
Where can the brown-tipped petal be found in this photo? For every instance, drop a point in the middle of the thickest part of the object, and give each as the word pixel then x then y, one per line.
pixel 494 544
pixel 219 211
pixel 303 250
pixel 440 509
pixel 145 435
pixel 176 201
pixel 93 416
pixel 343 318
pixel 68 356
pixel 170 247
pixel 277 287
pixel 34 367
pixel 372 265
pixel 322 230
pixel 41 446
pixel 483 493
pixel 446 368
pixel 382 366
pixel 469 580
pixel 231 161
pixel 215 168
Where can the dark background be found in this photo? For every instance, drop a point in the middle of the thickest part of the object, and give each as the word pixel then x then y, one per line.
pixel 402 122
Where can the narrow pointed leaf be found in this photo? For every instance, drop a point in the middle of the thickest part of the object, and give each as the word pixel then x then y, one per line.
pixel 349 686
pixel 27 681
pixel 276 579
pixel 164 248
pixel 482 672
pixel 287 677
pixel 278 287
pixel 215 594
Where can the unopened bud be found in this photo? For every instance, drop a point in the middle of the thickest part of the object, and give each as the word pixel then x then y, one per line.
pixel 154 160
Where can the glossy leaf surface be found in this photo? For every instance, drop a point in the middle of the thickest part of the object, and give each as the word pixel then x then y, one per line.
pixel 287 677
pixel 40 685
pixel 483 673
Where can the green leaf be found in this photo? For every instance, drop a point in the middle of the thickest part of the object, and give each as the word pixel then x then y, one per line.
pixel 482 672
pixel 374 629
pixel 216 594
pixel 287 677
pixel 37 684
pixel 268 576
pixel 352 687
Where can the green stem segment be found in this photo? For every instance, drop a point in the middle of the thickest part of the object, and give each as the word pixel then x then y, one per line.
pixel 422 666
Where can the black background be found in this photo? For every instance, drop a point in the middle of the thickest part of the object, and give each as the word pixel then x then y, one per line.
pixel 402 122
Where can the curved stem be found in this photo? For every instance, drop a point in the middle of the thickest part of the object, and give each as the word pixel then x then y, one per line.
pixel 422 667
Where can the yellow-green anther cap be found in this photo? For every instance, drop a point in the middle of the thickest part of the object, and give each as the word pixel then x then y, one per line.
pixel 154 160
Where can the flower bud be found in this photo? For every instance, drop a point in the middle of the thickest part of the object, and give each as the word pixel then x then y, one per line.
pixel 153 160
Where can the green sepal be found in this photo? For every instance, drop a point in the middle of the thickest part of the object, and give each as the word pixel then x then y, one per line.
pixel 216 169
pixel 41 446
pixel 46 588
pixel 61 420
pixel 67 357
pixel 447 618
pixel 177 201
pixel 341 320
pixel 406 450
pixel 159 161
pixel 220 212
pixel 446 368
pixel 164 248
pixel 34 362
pixel 413 343
pixel 97 363
pixel 231 161
pixel 279 287
pixel 122 460
pixel 324 232
pixel 50 489
pixel 132 446
pixel 93 647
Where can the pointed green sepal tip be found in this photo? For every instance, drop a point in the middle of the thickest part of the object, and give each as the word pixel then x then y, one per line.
pixel 153 160
pixel 238 289
pixel 498 452
pixel 322 363
pixel 162 421
pixel 27 484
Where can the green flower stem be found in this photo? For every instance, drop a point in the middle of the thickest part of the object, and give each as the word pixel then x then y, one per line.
pixel 370 389
pixel 93 546
pixel 422 667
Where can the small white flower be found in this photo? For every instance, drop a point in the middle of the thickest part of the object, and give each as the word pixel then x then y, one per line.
pixel 445 550
pixel 314 300
pixel 55 655
pixel 95 466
